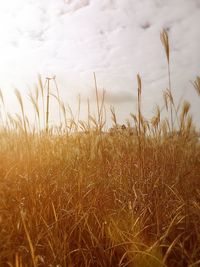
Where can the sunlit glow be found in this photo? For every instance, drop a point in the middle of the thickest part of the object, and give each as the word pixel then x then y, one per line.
pixel 116 39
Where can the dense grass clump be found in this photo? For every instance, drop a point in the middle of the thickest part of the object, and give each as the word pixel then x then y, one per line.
pixel 78 195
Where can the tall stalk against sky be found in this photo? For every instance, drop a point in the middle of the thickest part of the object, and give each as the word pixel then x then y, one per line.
pixel 47 108
pixel 41 87
pixel 165 41
pixel 196 85
pixel 19 98
pixel 97 97
pixel 139 98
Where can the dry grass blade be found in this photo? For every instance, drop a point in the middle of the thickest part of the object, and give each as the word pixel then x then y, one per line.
pixel 29 239
pixel 195 264
pixel 97 101
pixel 58 96
pixel 42 89
pixel 35 104
pixel 114 118
pixel 156 119
pixel 196 85
pixel 171 247
pixel 186 108
pixel 165 41
pixel 1 97
pixel 19 98
pixel 41 85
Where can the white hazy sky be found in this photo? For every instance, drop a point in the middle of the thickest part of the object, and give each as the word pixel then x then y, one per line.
pixel 114 38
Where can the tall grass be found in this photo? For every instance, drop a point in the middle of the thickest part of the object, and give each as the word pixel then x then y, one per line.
pixel 77 195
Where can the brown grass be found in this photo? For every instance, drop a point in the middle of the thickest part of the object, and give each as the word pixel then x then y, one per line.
pixel 126 197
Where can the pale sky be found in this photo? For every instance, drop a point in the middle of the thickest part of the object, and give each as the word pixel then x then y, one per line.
pixel 116 39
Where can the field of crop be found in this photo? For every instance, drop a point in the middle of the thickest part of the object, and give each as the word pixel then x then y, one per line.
pixel 77 195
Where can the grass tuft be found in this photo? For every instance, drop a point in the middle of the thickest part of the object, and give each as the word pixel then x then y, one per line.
pixel 79 195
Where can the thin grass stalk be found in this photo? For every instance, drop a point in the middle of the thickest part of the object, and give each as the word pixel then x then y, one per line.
pixel 32 252
pixel 97 100
pixel 139 92
pixel 42 88
pixel 165 41
pixel 4 110
pixel 36 109
pixel 114 118
pixel 58 95
pixel 47 108
pixel 101 110
pixel 79 109
pixel 62 106
pixel 196 85
pixel 19 97
pixel 88 111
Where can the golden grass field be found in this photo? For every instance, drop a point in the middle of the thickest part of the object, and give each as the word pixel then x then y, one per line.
pixel 77 195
